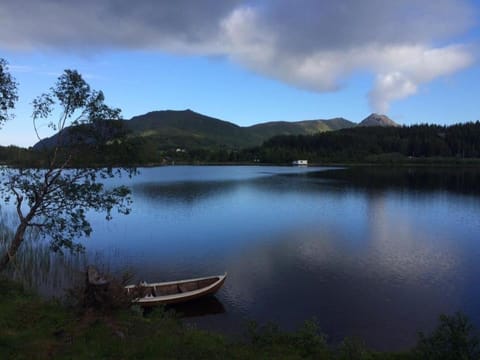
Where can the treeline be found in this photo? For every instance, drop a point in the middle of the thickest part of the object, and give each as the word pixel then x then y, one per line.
pixel 360 144
pixel 112 154
pixel 459 142
pixel 14 154
pixel 377 143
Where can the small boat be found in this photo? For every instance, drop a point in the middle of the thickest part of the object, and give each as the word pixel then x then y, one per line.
pixel 174 292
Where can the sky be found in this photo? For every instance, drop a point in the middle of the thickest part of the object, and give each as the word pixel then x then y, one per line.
pixel 250 61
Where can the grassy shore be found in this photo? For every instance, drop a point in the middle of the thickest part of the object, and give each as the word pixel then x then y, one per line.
pixel 33 328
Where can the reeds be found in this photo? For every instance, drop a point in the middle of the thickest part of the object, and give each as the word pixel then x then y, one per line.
pixel 35 265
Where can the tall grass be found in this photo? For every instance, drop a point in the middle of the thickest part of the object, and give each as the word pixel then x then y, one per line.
pixel 35 265
pixel 46 272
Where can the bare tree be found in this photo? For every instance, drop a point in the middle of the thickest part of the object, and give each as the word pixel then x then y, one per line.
pixel 54 198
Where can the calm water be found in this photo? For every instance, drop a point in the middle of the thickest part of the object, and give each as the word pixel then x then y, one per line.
pixel 374 253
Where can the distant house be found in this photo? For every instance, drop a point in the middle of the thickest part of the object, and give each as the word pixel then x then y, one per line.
pixel 300 163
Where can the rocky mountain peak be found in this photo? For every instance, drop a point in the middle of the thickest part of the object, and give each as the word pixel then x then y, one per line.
pixel 377 120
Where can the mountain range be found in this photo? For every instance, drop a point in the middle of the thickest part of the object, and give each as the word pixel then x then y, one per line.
pixel 188 129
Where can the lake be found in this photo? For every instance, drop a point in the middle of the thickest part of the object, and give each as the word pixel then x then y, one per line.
pixel 376 253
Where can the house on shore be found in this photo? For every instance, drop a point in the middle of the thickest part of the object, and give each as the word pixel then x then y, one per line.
pixel 300 163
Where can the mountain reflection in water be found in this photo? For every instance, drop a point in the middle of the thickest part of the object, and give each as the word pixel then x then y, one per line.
pixel 376 253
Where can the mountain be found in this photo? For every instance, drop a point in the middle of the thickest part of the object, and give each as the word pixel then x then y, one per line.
pixel 169 129
pixel 377 120
pixel 84 134
pixel 190 129
pixel 264 131
pixel 185 129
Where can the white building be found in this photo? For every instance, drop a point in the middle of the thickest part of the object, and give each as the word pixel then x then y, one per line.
pixel 300 163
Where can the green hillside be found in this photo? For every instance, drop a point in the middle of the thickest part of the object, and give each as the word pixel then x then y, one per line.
pixel 187 136
pixel 188 129
pixel 265 131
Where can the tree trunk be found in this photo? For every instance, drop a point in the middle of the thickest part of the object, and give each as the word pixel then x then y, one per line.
pixel 12 249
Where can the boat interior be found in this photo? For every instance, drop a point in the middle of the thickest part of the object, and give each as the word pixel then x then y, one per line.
pixel 171 289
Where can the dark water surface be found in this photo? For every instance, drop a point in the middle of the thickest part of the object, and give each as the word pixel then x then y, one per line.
pixel 370 252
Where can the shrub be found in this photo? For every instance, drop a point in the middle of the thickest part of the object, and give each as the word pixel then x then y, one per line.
pixel 453 339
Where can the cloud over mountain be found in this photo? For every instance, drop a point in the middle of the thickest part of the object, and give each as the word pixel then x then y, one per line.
pixel 311 44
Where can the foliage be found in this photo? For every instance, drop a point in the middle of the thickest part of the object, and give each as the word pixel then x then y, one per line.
pixel 8 92
pixel 308 341
pixel 188 129
pixel 386 145
pixel 183 137
pixel 453 339
pixel 383 144
pixel 14 155
pixel 106 298
pixel 33 328
pixel 55 198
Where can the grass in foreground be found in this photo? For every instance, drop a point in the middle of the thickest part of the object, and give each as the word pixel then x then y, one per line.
pixel 31 328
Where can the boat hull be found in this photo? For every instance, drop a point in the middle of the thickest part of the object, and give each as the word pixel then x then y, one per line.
pixel 176 292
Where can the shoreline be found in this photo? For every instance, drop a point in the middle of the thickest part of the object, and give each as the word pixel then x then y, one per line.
pixel 50 328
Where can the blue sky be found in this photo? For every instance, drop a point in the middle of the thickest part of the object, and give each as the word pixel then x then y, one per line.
pixel 251 62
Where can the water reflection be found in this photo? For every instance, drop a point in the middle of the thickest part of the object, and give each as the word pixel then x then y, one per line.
pixel 462 180
pixel 185 193
pixel 208 305
pixel 191 192
pixel 376 253
pixel 349 289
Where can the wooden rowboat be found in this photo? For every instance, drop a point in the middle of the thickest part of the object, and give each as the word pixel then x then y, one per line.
pixel 174 292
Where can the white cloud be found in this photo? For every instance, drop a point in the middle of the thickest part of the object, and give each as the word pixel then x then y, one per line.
pixel 399 69
pixel 390 87
pixel 403 69
pixel 310 44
